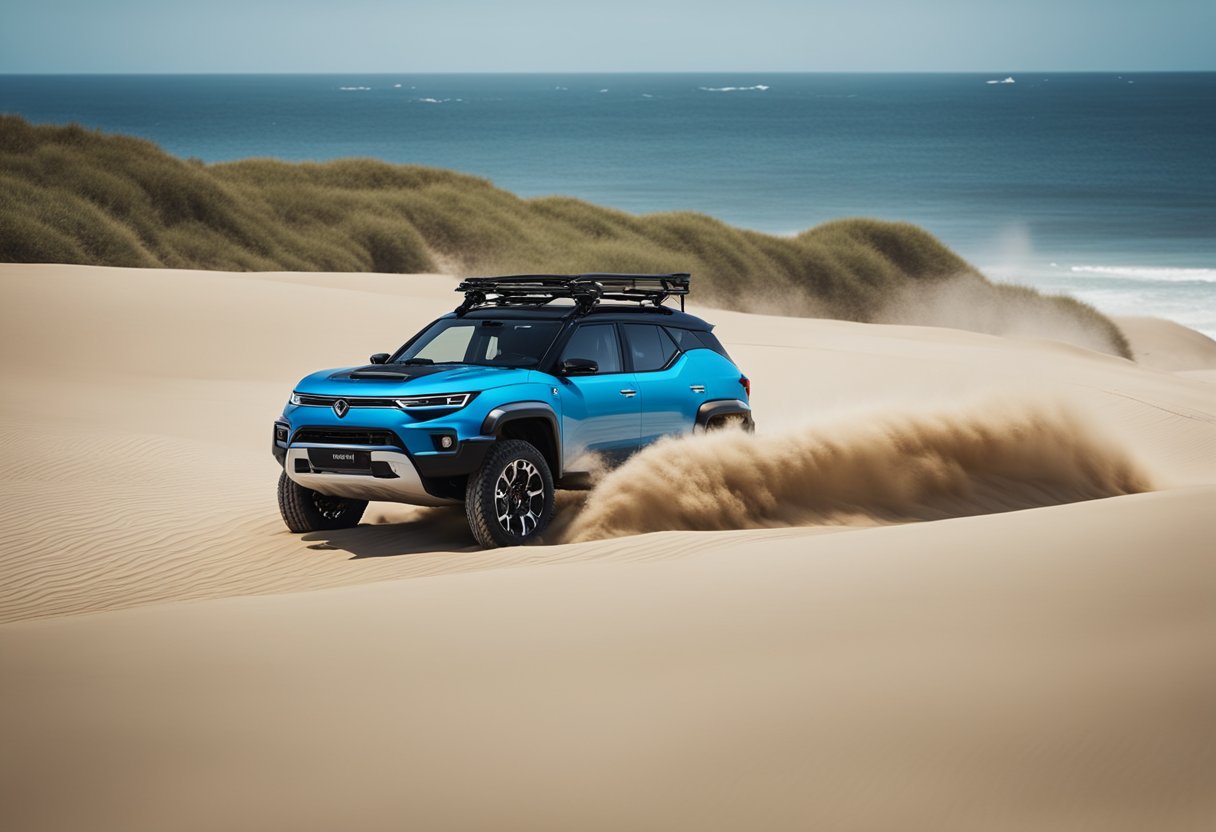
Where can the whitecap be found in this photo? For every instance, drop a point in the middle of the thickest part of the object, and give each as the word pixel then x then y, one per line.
pixel 756 88
pixel 354 89
pixel 1007 80
pixel 1155 273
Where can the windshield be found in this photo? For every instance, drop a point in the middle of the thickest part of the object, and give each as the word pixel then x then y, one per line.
pixel 487 343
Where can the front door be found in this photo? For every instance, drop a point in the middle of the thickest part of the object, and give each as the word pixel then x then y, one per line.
pixel 601 413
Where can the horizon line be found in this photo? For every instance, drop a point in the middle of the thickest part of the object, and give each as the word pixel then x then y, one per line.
pixel 624 72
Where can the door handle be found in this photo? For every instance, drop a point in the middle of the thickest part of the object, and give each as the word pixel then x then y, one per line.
pixel 629 394
pixel 697 388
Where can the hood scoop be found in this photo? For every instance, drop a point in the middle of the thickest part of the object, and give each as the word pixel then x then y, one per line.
pixel 392 372
pixel 379 373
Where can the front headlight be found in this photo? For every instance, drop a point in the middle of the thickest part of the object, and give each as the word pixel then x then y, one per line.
pixel 446 401
pixel 295 398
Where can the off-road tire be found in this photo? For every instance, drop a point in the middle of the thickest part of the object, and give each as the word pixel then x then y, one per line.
pixel 485 503
pixel 305 510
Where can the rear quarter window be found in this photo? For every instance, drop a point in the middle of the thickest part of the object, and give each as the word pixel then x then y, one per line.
pixel 697 339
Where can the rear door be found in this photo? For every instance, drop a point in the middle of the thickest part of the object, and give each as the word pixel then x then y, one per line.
pixel 666 382
pixel 601 413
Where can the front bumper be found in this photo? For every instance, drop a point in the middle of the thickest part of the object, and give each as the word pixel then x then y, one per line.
pixel 395 479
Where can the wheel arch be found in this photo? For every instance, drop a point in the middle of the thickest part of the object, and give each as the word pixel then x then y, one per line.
pixel 534 422
pixel 708 412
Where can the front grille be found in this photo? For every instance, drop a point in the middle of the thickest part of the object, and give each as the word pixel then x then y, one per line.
pixel 347 436
pixel 353 401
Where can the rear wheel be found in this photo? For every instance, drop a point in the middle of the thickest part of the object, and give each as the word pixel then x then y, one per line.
pixel 305 510
pixel 731 421
pixel 509 499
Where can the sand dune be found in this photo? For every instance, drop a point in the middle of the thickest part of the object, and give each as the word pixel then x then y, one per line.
pixel 1165 345
pixel 1049 667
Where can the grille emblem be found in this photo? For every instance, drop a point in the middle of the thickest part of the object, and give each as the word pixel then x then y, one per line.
pixel 340 408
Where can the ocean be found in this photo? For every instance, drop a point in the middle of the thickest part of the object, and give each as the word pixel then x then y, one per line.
pixel 1102 186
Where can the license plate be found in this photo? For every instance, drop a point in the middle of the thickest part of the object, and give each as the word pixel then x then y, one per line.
pixel 339 458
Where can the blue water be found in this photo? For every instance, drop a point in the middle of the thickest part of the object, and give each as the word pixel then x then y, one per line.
pixel 1102 185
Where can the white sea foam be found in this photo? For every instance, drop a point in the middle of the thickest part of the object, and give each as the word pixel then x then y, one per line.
pixel 433 100
pixel 1157 273
pixel 756 88
pixel 354 89
pixel 1007 80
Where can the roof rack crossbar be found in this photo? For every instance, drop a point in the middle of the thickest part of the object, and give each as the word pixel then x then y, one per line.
pixel 585 289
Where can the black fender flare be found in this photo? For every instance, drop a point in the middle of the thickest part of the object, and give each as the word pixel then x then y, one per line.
pixel 504 414
pixel 709 411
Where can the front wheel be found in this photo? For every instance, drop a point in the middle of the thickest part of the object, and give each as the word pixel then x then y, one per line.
pixel 305 510
pixel 509 499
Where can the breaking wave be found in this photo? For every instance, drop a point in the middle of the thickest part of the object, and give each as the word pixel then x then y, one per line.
pixel 889 469
pixel 1164 274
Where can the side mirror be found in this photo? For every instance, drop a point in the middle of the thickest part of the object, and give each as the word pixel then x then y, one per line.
pixel 380 358
pixel 579 367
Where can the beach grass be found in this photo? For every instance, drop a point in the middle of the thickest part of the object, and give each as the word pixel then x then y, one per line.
pixel 72 195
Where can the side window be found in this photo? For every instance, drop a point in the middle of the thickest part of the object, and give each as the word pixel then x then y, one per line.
pixel 685 339
pixel 597 342
pixel 711 341
pixel 649 346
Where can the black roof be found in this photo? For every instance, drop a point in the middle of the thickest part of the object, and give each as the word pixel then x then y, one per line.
pixel 600 312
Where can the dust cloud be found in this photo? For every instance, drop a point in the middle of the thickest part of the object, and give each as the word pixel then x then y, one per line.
pixel 890 468
pixel 969 302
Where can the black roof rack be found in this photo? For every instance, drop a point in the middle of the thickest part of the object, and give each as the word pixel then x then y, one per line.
pixel 585 289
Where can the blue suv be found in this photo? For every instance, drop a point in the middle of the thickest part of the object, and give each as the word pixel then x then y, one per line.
pixel 534 381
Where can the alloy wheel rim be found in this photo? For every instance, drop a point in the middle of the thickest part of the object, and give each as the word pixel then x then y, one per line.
pixel 519 498
pixel 330 508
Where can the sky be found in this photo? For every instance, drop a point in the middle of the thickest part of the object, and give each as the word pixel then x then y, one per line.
pixel 164 36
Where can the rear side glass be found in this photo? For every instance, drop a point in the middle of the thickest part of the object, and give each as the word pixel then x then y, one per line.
pixel 685 339
pixel 649 346
pixel 709 340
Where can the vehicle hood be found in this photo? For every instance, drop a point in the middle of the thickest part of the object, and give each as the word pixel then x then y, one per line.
pixel 408 379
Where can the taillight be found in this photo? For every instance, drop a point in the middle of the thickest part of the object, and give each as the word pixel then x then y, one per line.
pixel 747 385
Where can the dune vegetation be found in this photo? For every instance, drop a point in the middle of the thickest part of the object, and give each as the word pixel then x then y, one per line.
pixel 71 195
